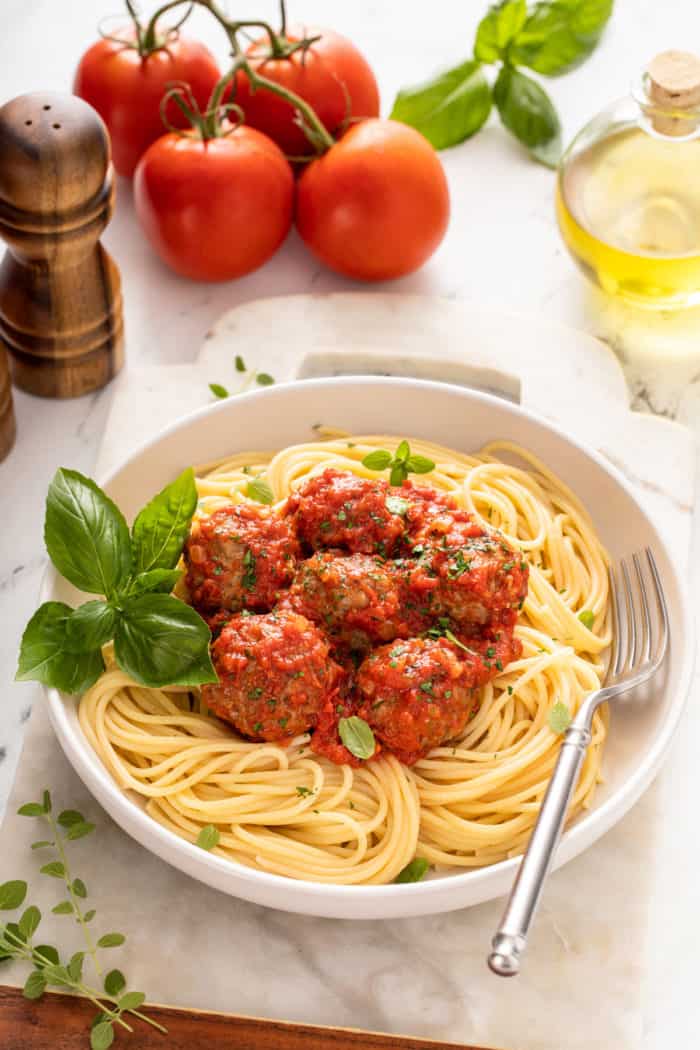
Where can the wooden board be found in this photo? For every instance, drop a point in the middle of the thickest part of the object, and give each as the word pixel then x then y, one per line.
pixel 62 1022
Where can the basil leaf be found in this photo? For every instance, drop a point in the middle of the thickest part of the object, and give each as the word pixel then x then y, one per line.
pixel 558 35
pixel 587 618
pixel 264 379
pixel 357 736
pixel 497 28
pixel 559 718
pixel 160 529
pixel 260 490
pixel 90 626
pixel 44 656
pixel 162 641
pixel 377 460
pixel 67 817
pixel 399 473
pixel 420 464
pixel 45 954
pixel 449 108
pixel 218 390
pixel 414 871
pixel 240 364
pixel 208 837
pixel 86 535
pixel 525 109
pixel 162 581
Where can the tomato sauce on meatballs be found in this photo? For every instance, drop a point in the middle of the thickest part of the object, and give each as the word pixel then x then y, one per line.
pixel 357 598
pixel 275 675
pixel 354 598
pixel 417 694
pixel 240 557
pixel 339 509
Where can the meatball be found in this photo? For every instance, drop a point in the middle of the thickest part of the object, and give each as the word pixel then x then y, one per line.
pixel 339 509
pixel 275 675
pixel 354 598
pixel 240 557
pixel 433 517
pixel 476 583
pixel 417 694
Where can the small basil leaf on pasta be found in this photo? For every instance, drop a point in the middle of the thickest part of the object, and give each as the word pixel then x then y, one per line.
pixel 377 460
pixel 160 580
pixel 44 657
pixel 160 529
pixel 399 473
pixel 559 718
pixel 414 871
pixel 208 837
pixel 402 452
pixel 162 641
pixel 357 736
pixel 86 535
pixel 90 626
pixel 259 490
pixel 587 618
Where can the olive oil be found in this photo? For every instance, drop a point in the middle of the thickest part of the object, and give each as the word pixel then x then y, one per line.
pixel 628 189
pixel 629 211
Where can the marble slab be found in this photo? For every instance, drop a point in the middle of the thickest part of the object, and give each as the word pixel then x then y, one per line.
pixel 599 970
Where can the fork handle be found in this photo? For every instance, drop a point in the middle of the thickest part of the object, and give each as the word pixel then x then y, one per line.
pixel 510 939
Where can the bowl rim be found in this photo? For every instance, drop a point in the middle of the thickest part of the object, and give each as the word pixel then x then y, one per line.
pixel 575 839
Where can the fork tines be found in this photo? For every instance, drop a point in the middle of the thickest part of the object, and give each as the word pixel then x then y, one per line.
pixel 640 618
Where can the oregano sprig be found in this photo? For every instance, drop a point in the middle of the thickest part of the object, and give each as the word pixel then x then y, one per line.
pixel 550 37
pixel 17 939
pixel 400 465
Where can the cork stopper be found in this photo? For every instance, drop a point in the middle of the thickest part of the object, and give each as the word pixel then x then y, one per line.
pixel 674 85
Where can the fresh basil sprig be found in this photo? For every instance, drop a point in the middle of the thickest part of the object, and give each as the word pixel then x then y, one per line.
pixel 550 37
pixel 158 639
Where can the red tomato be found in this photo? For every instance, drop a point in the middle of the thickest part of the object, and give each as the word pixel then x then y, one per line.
pixel 376 205
pixel 218 209
pixel 126 90
pixel 332 76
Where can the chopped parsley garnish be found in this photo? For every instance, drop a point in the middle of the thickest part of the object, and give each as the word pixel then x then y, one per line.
pixel 461 565
pixel 427 687
pixel 559 718
pixel 413 872
pixel 490 652
pixel 258 727
pixel 240 364
pixel 303 792
pixel 249 577
pixel 510 690
pixel 587 618
pixel 342 516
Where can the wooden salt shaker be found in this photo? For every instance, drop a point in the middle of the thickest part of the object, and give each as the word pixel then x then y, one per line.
pixel 60 292
pixel 7 414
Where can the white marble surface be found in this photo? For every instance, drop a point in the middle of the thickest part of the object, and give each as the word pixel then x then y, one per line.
pixel 502 248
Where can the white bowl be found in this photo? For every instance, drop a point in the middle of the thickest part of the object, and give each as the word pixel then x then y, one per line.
pixel 278 416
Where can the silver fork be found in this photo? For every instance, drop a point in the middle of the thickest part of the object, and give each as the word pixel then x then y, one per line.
pixel 640 642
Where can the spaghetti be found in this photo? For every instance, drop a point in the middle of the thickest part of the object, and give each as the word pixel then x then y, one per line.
pixel 286 810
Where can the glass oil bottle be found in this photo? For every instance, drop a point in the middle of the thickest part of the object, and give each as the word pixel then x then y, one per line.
pixel 628 189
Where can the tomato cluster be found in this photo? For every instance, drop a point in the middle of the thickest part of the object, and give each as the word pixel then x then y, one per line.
pixel 218 197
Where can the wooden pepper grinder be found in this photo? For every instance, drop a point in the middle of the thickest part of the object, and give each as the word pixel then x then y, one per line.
pixel 7 414
pixel 60 292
